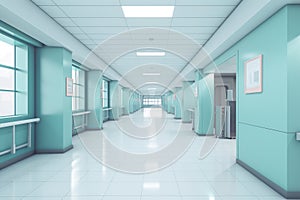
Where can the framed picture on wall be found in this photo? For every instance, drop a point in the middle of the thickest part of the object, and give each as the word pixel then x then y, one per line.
pixel 253 75
pixel 69 87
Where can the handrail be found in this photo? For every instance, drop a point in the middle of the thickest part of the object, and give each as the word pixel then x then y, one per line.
pixel 14 148
pixel 20 122
pixel 81 113
pixel 105 109
pixel 84 118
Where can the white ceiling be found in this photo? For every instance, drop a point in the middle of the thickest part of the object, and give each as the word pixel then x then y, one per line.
pixel 102 27
pixel 199 31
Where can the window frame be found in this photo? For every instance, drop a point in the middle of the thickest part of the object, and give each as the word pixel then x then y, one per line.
pixel 17 68
pixel 78 89
pixel 103 91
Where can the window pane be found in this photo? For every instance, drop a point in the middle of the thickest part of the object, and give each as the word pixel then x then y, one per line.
pixel 7 54
pixel 22 56
pixel 7 100
pixel 7 79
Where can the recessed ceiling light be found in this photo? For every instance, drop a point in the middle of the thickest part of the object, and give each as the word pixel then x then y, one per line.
pixel 150 53
pixel 151 74
pixel 148 11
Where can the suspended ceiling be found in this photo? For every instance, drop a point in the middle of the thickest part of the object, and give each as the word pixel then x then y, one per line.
pixel 210 26
pixel 102 27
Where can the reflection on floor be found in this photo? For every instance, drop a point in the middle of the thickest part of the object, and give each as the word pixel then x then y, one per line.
pixel 78 174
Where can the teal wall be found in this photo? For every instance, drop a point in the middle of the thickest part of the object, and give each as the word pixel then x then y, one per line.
pixel 188 100
pixel 126 97
pixel 267 121
pixel 54 132
pixel 22 130
pixel 204 110
pixel 135 101
pixel 94 100
pixel 293 97
pixel 169 102
pixel 114 100
pixel 177 102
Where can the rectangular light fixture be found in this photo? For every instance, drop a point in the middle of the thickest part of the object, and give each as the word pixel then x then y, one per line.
pixel 151 74
pixel 148 11
pixel 151 88
pixel 150 53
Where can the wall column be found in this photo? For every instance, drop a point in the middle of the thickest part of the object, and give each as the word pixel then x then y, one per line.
pixel 54 132
pixel 94 100
pixel 188 101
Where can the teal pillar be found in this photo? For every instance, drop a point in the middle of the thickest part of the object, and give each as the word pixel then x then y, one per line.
pixel 114 100
pixel 94 100
pixel 188 101
pixel 126 96
pixel 177 102
pixel 204 111
pixel 54 132
pixel 170 102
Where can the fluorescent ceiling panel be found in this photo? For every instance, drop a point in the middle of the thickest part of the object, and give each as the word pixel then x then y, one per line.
pixel 148 11
pixel 151 74
pixel 150 53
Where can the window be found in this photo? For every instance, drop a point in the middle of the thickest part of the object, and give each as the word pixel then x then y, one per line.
pixel 104 94
pixel 13 77
pixel 78 99
pixel 152 101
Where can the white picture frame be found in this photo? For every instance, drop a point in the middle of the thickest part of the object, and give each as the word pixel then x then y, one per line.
pixel 253 75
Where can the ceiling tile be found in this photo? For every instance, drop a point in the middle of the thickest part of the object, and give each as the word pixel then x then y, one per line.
pixel 186 30
pixel 93 11
pixel 197 21
pixel 202 36
pixel 202 11
pixel 86 2
pixel 65 21
pixel 43 2
pixel 53 11
pixel 74 30
pixel 207 2
pixel 109 30
pixel 81 36
pixel 100 21
pixel 99 36
pixel 147 2
pixel 149 22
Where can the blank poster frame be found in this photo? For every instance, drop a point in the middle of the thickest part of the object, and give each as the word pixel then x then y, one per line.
pixel 253 75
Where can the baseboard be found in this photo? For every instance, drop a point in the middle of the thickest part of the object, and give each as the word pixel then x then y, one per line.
pixel 53 151
pixel 16 159
pixel 93 129
pixel 187 122
pixel 274 186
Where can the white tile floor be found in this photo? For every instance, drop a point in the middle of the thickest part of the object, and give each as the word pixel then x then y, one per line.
pixel 77 175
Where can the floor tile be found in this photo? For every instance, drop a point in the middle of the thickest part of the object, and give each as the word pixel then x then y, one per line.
pixel 161 197
pixel 121 198
pixel 51 189
pixel 259 189
pixel 76 175
pixel 230 189
pixel 86 188
pixel 19 189
pixel 125 188
pixel 160 189
pixel 83 198
pixel 196 189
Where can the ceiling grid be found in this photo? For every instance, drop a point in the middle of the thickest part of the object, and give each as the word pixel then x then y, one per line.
pixel 95 22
